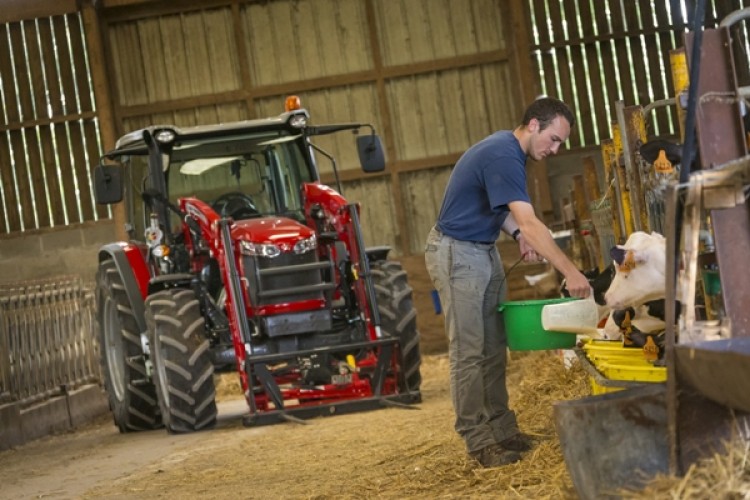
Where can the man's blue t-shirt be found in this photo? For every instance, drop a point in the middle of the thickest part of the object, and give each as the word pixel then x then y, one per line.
pixel 488 176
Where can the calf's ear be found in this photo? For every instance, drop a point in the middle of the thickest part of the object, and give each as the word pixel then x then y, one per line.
pixel 617 254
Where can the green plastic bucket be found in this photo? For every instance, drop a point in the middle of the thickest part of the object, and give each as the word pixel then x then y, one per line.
pixel 523 326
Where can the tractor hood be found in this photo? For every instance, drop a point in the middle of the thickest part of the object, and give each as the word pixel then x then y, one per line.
pixel 281 232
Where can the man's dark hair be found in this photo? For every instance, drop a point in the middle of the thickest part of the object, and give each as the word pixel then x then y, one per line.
pixel 545 109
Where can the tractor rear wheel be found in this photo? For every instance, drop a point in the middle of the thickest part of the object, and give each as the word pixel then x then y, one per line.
pixel 183 371
pixel 131 393
pixel 398 318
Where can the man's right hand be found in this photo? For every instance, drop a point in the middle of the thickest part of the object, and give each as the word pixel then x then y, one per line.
pixel 578 285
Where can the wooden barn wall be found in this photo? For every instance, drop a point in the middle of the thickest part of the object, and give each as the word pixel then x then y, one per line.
pixel 49 131
pixel 432 77
pixel 592 54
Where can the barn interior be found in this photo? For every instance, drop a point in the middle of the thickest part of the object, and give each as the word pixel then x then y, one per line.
pixel 659 90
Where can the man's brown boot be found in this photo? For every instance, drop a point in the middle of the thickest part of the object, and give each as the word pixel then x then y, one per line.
pixel 495 455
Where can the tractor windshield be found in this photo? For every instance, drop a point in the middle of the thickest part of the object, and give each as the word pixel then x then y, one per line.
pixel 242 176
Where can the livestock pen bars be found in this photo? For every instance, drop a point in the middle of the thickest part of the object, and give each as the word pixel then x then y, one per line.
pixel 48 358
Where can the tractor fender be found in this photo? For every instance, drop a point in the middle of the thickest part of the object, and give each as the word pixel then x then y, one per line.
pixel 134 273
pixel 377 253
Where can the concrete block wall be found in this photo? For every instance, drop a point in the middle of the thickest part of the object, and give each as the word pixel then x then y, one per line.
pixel 69 411
pixel 65 251
pixel 43 254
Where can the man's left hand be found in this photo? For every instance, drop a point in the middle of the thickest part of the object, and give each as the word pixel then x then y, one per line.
pixel 527 251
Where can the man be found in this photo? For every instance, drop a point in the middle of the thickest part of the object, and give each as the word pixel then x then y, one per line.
pixel 486 193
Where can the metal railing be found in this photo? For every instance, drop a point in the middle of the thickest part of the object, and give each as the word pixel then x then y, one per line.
pixel 47 341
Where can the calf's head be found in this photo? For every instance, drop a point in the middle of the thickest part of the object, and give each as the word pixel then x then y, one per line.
pixel 640 266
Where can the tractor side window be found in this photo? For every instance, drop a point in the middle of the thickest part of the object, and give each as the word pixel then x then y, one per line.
pixel 137 211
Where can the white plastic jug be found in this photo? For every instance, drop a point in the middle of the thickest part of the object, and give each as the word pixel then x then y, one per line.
pixel 576 316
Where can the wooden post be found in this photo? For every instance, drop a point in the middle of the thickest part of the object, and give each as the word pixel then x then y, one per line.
pixel 593 193
pixel 102 96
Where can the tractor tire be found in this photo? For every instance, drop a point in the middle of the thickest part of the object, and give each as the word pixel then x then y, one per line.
pixel 131 393
pixel 183 371
pixel 398 318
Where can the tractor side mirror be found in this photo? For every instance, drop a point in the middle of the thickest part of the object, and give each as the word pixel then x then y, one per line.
pixel 108 184
pixel 370 151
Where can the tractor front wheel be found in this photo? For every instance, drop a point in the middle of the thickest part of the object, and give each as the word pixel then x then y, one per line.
pixel 398 318
pixel 131 393
pixel 183 371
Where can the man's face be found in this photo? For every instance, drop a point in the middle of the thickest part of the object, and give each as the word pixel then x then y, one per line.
pixel 547 142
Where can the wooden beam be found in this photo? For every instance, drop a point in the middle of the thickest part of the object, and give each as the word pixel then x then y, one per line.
pixel 356 78
pixel 102 97
pixel 22 10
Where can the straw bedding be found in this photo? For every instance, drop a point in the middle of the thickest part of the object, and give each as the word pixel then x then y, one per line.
pixel 404 453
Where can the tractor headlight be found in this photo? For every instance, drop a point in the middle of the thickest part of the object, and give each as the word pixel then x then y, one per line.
pixel 306 245
pixel 259 249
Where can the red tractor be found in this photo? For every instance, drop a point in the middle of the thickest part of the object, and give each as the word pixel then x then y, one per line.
pixel 240 259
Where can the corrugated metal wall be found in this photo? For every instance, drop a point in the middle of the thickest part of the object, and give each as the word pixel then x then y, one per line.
pixel 432 76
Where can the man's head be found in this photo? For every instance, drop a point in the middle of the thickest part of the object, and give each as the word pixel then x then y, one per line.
pixel 545 126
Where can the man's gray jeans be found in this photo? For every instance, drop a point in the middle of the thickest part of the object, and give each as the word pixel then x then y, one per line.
pixel 470 281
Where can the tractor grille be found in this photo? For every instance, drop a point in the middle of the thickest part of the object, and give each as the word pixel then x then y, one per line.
pixel 287 278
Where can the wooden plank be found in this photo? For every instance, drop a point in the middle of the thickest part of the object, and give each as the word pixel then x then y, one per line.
pixel 546 59
pixel 608 68
pixel 430 112
pixel 21 10
pixel 325 55
pixel 37 190
pixel 620 53
pixel 419 206
pixel 81 171
pixel 517 43
pixel 393 33
pixel 265 67
pixel 419 36
pixel 596 83
pixel 583 102
pixel 486 17
pixel 49 56
pixel 564 76
pixel 667 41
pixel 66 184
pixel 80 68
pixel 285 41
pixel 151 40
pixel 174 77
pixel 128 78
pixel 9 103
pixel 66 76
pixel 197 56
pixel 352 28
pixel 495 107
pixel 49 164
pixel 321 54
pixel 23 83
pixel 11 221
pixel 93 151
pixel 22 173
pixel 464 29
pixel 402 94
pixel 454 119
pixel 442 26
pixel 637 68
pixel 223 57
pixel 34 70
pixel 658 118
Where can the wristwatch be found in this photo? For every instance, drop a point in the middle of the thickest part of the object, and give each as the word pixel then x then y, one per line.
pixel 516 234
